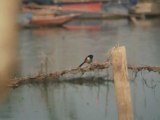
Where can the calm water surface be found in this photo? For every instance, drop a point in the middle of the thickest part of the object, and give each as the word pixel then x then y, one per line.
pixel 53 49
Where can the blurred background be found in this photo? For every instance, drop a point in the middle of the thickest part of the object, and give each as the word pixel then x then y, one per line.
pixel 43 36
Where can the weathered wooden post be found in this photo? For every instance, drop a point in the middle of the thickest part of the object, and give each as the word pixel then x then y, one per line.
pixel 122 86
pixel 8 33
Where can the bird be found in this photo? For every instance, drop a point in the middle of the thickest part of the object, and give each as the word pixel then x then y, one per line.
pixel 88 60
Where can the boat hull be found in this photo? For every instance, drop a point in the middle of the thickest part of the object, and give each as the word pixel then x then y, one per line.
pixel 57 20
pixel 50 21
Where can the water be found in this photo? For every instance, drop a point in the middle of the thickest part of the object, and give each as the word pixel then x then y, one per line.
pixel 63 101
pixel 53 49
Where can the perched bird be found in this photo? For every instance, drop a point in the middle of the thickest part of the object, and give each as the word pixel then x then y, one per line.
pixel 88 60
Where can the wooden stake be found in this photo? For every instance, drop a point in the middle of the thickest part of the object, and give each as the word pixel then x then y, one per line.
pixel 8 33
pixel 122 86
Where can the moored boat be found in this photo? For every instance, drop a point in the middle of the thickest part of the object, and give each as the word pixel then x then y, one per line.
pixel 94 9
pixel 83 7
pixel 52 20
pixel 41 15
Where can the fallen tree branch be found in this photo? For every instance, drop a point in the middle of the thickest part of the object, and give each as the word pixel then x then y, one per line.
pixel 77 73
pixel 140 68
pixel 57 76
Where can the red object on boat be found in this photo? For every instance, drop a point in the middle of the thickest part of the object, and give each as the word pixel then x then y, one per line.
pixel 83 7
pixel 53 20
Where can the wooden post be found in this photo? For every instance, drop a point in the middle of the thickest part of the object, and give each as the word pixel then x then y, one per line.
pixel 8 33
pixel 122 86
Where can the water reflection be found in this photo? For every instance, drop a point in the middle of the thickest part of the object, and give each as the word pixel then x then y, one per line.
pixel 145 96
pixel 62 101
pixel 81 101
pixel 146 22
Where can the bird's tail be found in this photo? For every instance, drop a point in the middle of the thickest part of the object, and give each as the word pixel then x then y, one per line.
pixel 81 64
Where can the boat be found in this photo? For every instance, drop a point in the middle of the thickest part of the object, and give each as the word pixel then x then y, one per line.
pixel 75 6
pixel 82 7
pixel 52 20
pixel 94 9
pixel 42 16
pixel 97 9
